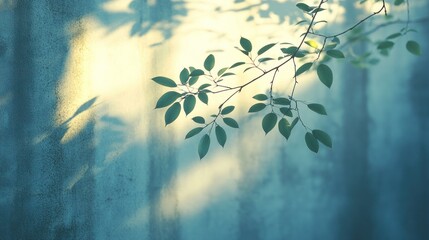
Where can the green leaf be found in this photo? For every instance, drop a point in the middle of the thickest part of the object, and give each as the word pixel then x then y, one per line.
pixel 230 122
pixel 199 120
pixel 293 50
pixel 222 71
pixel 281 101
pixel 286 111
pixel 244 52
pixel 203 146
pixel 261 60
pixel 304 7
pixel 246 44
pixel 336 40
pixel 294 122
pixel 184 75
pixel 203 97
pixel 257 107
pixel 209 62
pixel 205 85
pixel 304 67
pixel 323 137
pixel 167 82
pixel 237 64
pixel 398 2
pixel 167 98
pixel 197 72
pixel 325 75
pixel 311 142
pixel 227 110
pixel 228 74
pixel 189 104
pixel 335 53
pixel 193 80
pixel 269 122
pixel 394 35
pixel 245 70
pixel 194 132
pixel 220 135
pixel 314 9
pixel 318 108
pixel 385 45
pixel 172 113
pixel 265 48
pixel 413 47
pixel 284 128
pixel 312 44
pixel 260 97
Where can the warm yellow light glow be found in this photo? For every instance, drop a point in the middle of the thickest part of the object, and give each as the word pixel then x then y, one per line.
pixel 75 86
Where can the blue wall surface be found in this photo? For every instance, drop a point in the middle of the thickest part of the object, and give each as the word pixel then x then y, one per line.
pixel 83 155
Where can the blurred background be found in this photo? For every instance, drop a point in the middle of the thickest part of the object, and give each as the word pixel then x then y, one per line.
pixel 84 155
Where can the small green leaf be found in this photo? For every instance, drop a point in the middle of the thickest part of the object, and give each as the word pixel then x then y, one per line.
pixel 245 70
pixel 413 47
pixel 261 60
pixel 167 98
pixel 246 44
pixel 197 72
pixel 269 122
pixel 237 64
pixel 385 45
pixel 205 85
pixel 228 74
pixel 304 67
pixel 244 52
pixel 286 111
pixel 193 80
pixel 325 75
pixel 222 71
pixel 172 113
pixel 318 108
pixel 199 120
pixel 284 128
pixel 281 101
pixel 323 137
pixel 167 82
pixel 394 35
pixel 265 48
pixel 209 62
pixel 220 135
pixel 230 122
pixel 294 50
pixel 203 146
pixel 193 132
pixel 260 97
pixel 398 2
pixel 184 75
pixel 294 122
pixel 189 104
pixel 312 44
pixel 335 53
pixel 311 142
pixel 336 40
pixel 227 110
pixel 257 107
pixel 203 97
pixel 304 7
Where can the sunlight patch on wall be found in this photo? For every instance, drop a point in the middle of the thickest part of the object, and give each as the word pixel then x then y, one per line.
pixel 206 182
pixel 75 86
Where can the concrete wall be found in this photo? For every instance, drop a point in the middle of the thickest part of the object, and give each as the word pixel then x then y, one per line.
pixel 83 155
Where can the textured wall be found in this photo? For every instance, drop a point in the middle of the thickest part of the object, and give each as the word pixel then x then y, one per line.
pixel 83 155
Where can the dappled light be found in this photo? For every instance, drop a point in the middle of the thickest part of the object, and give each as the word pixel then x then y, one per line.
pixel 86 152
